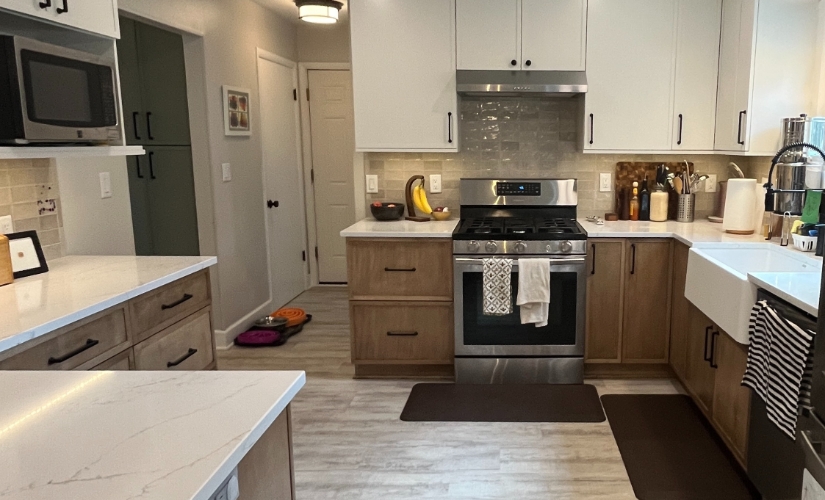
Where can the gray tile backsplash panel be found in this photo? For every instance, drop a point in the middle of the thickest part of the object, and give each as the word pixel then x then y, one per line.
pixel 521 137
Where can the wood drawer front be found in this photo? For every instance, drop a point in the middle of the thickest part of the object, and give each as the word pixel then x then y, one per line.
pixel 402 331
pixel 409 268
pixel 172 349
pixel 120 362
pixel 75 347
pixel 175 300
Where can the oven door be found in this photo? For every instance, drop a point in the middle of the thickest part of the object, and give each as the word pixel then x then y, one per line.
pixel 477 334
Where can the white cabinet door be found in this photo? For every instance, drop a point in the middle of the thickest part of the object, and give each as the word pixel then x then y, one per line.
pixel 96 16
pixel 403 71
pixel 630 66
pixel 487 34
pixel 553 34
pixel 697 64
pixel 735 61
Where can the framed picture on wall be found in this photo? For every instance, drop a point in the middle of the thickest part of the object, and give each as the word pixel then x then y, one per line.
pixel 27 257
pixel 236 105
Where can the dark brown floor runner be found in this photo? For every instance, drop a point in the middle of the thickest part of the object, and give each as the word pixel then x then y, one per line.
pixel 670 452
pixel 503 403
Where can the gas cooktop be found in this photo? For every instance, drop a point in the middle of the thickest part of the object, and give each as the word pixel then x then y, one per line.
pixel 519 228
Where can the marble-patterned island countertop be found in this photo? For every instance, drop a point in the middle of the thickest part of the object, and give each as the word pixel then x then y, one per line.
pixel 371 228
pixel 126 435
pixel 78 286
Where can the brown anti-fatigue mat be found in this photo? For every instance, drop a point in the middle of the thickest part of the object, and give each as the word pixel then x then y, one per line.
pixel 670 452
pixel 503 403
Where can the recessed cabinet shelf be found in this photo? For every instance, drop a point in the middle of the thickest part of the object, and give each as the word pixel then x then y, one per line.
pixel 16 153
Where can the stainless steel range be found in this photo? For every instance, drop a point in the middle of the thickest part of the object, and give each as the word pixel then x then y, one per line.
pixel 514 219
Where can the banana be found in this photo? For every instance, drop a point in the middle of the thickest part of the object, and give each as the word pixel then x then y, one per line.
pixel 425 205
pixel 416 196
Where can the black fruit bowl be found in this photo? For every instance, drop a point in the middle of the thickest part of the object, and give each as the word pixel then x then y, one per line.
pixel 385 212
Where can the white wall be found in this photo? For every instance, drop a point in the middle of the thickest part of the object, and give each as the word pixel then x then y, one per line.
pixel 91 225
pixel 325 42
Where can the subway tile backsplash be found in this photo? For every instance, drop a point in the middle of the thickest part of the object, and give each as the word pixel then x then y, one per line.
pixel 29 193
pixel 521 137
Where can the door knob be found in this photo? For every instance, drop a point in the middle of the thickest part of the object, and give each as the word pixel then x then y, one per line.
pixel 271 204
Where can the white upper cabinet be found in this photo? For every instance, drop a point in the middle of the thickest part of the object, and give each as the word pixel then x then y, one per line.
pixel 95 16
pixel 521 34
pixel 403 72
pixel 697 64
pixel 553 34
pixel 767 71
pixel 630 67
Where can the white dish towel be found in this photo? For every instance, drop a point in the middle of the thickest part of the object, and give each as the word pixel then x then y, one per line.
pixel 534 291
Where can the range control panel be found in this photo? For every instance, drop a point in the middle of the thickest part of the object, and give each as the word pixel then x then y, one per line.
pixel 518 189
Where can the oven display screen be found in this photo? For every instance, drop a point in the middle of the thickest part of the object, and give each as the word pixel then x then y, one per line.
pixel 518 189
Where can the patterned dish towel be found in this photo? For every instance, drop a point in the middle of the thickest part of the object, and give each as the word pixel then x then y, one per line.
pixel 497 292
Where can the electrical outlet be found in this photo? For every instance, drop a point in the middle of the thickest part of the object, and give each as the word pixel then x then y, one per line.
pixel 435 183
pixel 605 182
pixel 6 225
pixel 372 184
pixel 105 185
pixel 226 170
pixel 710 183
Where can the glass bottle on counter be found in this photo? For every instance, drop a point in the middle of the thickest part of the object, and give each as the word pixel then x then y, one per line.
pixel 634 202
pixel 658 204
pixel 644 201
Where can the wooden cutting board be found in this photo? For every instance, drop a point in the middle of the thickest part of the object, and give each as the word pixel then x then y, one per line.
pixel 6 272
pixel 629 171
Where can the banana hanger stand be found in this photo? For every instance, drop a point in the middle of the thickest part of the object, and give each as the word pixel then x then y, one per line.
pixel 410 205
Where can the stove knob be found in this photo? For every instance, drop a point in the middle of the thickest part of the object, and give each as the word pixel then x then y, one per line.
pixel 491 247
pixel 549 248
pixel 521 247
pixel 565 247
pixel 473 246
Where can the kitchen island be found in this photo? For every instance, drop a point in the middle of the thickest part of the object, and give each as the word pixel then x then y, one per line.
pixel 148 435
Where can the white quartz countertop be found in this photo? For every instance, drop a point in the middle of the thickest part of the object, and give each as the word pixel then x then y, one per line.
pixel 700 231
pixel 129 435
pixel 78 286
pixel 798 289
pixel 371 228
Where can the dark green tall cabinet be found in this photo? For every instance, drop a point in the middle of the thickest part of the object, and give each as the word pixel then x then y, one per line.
pixel 156 114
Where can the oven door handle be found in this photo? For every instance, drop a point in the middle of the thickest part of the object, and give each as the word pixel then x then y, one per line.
pixel 553 262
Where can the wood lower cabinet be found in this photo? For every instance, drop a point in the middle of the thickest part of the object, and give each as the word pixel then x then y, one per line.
pixel 122 362
pixel 679 311
pixel 401 306
pixel 187 345
pixel 699 372
pixel 731 401
pixel 605 291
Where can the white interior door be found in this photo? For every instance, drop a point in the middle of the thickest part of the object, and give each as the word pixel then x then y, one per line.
pixel 333 145
pixel 284 204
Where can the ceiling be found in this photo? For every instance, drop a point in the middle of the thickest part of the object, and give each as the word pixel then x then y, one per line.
pixel 288 10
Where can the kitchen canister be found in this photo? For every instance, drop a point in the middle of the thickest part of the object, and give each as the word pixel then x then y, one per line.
pixel 658 205
pixel 686 208
pixel 740 207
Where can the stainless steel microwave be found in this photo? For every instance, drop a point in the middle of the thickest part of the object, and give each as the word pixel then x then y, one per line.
pixel 52 94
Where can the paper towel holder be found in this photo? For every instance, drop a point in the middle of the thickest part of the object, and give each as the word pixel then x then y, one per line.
pixel 770 192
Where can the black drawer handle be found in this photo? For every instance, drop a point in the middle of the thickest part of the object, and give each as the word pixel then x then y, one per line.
pixel 402 334
pixel 65 7
pixel 191 352
pixel 399 270
pixel 137 163
pixel 176 303
pixel 633 265
pixel 593 270
pixel 135 124
pixel 85 347
pixel 681 120
pixel 705 352
pixel 152 165
pixel 739 139
pixel 46 4
pixel 591 128
pixel 713 349
pixel 149 126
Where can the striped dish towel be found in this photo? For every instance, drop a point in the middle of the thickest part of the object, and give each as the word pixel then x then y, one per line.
pixel 780 363
pixel 498 296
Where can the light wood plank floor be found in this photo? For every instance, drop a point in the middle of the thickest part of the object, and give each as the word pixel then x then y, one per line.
pixel 350 444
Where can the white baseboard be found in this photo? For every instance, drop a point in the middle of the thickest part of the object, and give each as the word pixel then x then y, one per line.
pixel 225 338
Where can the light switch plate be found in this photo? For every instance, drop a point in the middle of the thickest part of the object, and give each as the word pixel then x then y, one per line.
pixel 435 183
pixel 372 184
pixel 605 182
pixel 105 185
pixel 226 170
pixel 6 225
pixel 710 183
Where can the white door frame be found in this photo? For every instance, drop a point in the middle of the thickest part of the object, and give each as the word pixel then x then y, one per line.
pixel 269 56
pixel 306 135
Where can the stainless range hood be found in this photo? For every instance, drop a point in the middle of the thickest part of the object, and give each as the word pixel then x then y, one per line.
pixel 471 82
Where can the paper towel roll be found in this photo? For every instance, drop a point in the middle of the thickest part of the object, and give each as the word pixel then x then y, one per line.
pixel 740 206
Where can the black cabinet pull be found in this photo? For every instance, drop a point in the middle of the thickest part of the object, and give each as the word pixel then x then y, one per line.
pixel 713 349
pixel 513 62
pixel 152 165
pixel 402 334
pixel 593 269
pixel 591 128
pixel 46 4
pixel 633 262
pixel 528 62
pixel 137 162
pixel 399 270
pixel 191 352
pixel 450 127
pixel 65 7
pixel 705 355
pixel 679 140
pixel 739 139
pixel 149 126
pixel 272 204
pixel 88 345
pixel 135 124
pixel 176 303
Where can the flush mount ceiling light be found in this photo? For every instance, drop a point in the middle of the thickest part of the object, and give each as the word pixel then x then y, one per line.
pixel 318 11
